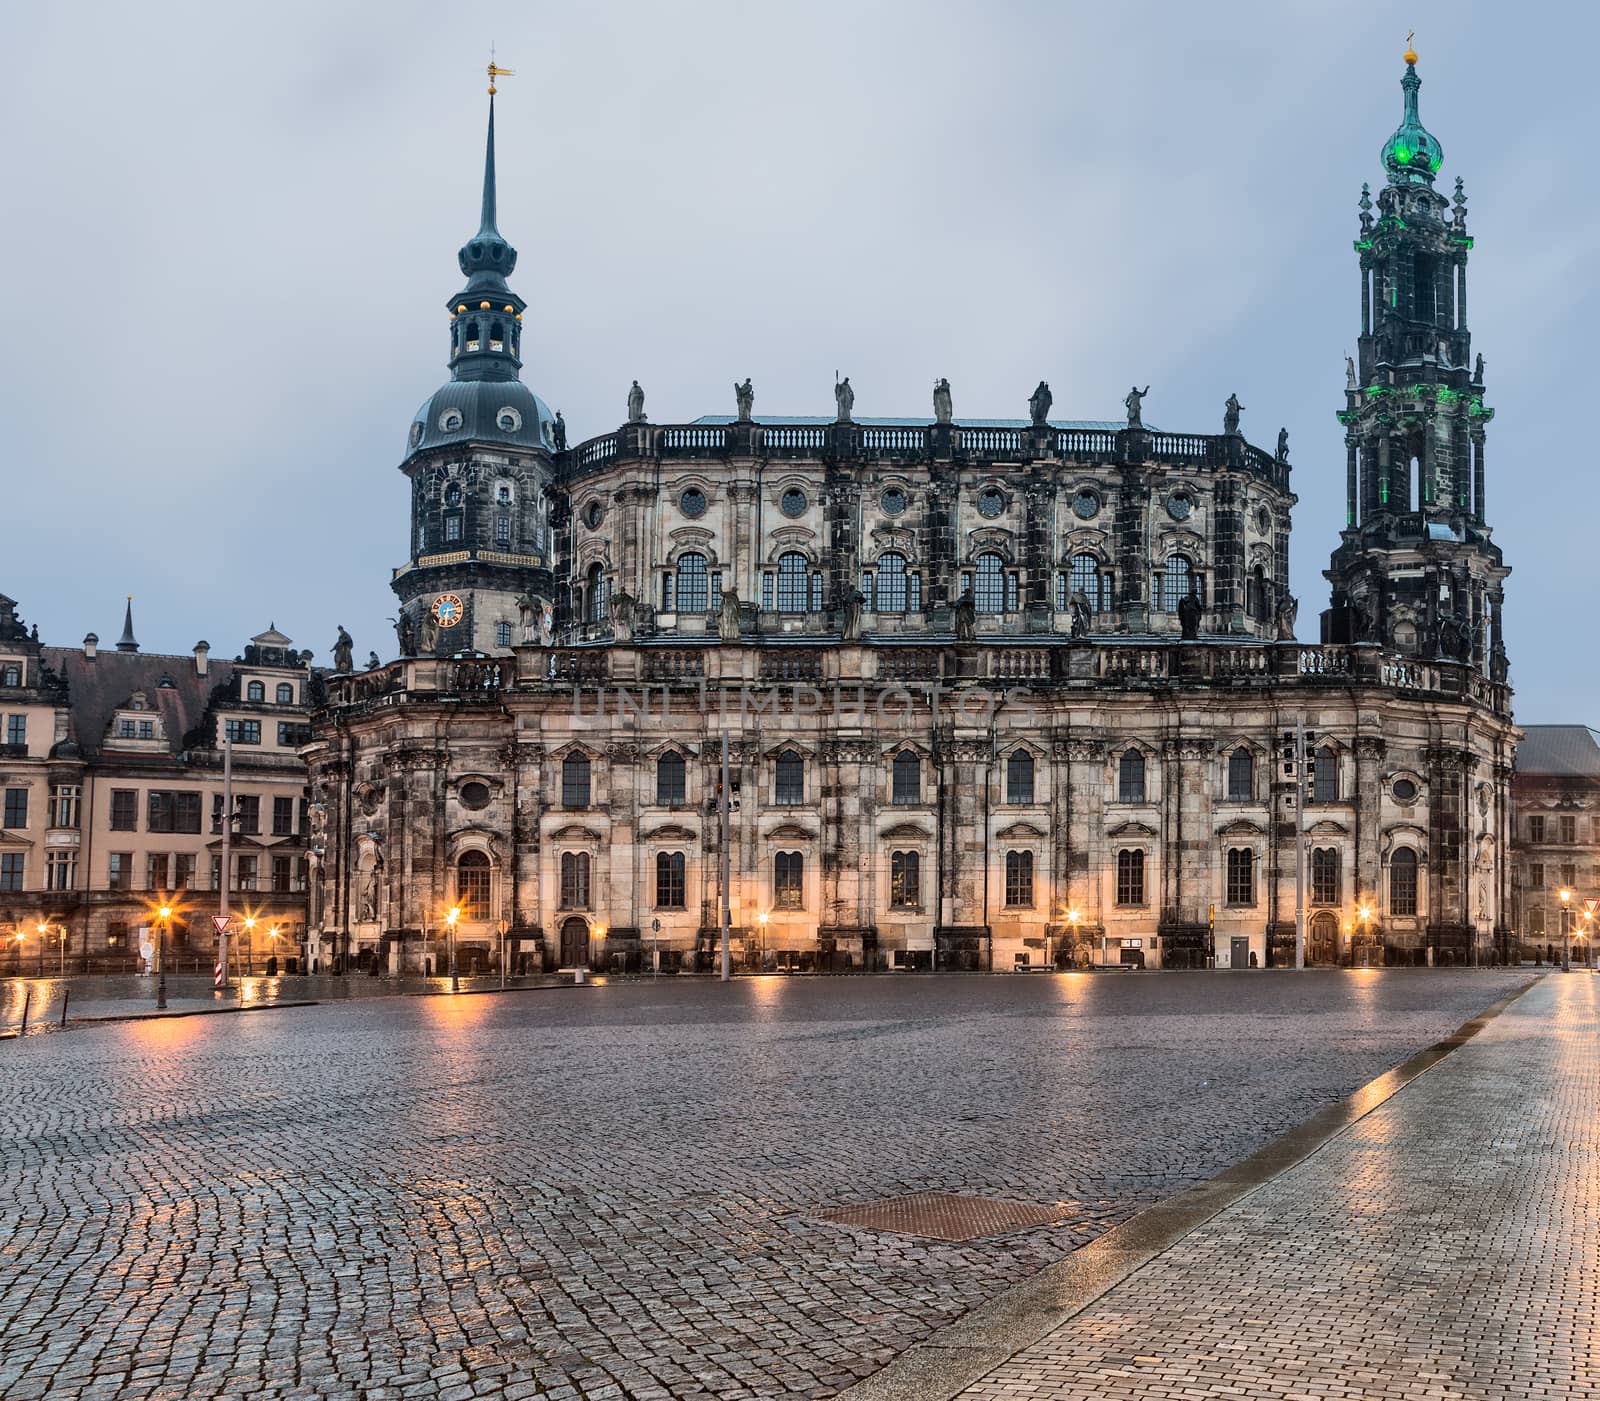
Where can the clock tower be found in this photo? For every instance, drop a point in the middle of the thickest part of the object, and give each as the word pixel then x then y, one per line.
pixel 480 459
pixel 1416 569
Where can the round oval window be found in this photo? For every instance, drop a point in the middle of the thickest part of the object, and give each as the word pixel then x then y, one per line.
pixel 474 795
pixel 693 503
pixel 1178 507
pixel 990 502
pixel 509 420
pixel 1405 790
pixel 793 502
pixel 894 501
pixel 592 514
pixel 1086 505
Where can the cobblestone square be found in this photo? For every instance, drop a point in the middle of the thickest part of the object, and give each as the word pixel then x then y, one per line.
pixel 612 1192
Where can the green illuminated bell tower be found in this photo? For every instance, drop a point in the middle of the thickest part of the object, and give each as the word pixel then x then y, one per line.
pixel 1416 570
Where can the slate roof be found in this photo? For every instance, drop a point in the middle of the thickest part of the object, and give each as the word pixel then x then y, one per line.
pixel 1559 751
pixel 98 687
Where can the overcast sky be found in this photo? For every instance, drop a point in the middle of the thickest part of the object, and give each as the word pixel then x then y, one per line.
pixel 229 234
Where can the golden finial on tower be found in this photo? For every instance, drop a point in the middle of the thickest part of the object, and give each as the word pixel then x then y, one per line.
pixel 496 72
pixel 1411 53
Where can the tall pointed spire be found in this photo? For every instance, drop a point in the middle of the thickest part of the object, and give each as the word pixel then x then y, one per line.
pixel 128 642
pixel 486 225
pixel 1413 154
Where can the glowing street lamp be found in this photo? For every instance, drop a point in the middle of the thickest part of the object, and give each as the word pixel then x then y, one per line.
pixel 761 931
pixel 250 944
pixel 1365 912
pixel 163 920
pixel 1566 930
pixel 450 919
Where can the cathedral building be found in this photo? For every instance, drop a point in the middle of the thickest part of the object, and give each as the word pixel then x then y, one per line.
pixel 992 692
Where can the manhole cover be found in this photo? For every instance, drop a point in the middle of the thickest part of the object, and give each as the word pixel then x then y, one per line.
pixel 945 1216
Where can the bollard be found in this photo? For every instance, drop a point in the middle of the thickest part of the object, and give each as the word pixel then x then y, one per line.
pixel 27 999
pixel 66 997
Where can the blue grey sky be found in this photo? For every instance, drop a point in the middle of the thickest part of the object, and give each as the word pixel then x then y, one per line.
pixel 230 231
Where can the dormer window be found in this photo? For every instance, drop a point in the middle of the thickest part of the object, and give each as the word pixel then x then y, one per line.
pixel 255 691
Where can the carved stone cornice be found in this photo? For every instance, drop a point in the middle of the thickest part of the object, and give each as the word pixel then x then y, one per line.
pixel 1086 750
pixel 849 751
pixel 966 751
pixel 1370 747
pixel 623 751
pixel 413 760
pixel 515 752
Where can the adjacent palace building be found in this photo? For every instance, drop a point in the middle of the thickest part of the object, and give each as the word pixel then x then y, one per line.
pixel 994 690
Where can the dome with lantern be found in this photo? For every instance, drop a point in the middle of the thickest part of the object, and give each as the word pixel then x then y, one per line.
pixel 1412 155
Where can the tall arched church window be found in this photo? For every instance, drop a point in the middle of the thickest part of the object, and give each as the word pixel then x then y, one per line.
pixel 1403 882
pixel 595 594
pixel 671 779
pixel 794 583
pixel 907 777
pixel 472 885
pixel 1325 776
pixel 891 582
pixel 989 584
pixel 1090 582
pixel 1177 583
pixel 1130 777
pixel 1019 777
pixel 1241 776
pixel 575 781
pixel 694 584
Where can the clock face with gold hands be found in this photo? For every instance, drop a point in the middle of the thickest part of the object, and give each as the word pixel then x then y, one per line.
pixel 448 610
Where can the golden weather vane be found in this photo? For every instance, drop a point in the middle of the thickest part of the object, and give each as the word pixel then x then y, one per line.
pixel 497 72
pixel 1411 52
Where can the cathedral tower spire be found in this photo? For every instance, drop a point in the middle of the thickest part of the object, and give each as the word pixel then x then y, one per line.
pixel 486 315
pixel 1416 569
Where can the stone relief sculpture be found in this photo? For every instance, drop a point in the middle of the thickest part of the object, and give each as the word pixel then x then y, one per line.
pixel 1134 403
pixel 622 614
pixel 430 633
pixel 527 619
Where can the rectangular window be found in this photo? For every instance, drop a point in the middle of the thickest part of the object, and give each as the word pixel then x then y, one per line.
pixel 282 874
pixel 248 810
pixel 247 873
pixel 905 880
pixel 1536 921
pixel 716 590
pixel 283 817
pixel 17 730
pixel 574 880
pixel 452 527
pixel 1325 777
pixel 502 634
pixel 1536 876
pixel 11 871
pixel 1130 877
pixel 1241 776
pixel 766 593
pixel 126 729
pixel 61 870
pixel 816 593
pixel 124 810
pixel 915 594
pixel 64 799
pixel 867 605
pixel 788 880
pixel 119 870
pixel 183 872
pixel 1536 829
pixel 1241 877
pixel 116 934
pixel 669 880
pixel 155 871
pixel 292 734
pixel 1569 876
pixel 173 812
pixel 242 731
pixel 147 729
pixel 1019 879
pixel 502 530
pixel 216 873
pixel 1569 829
pixel 666 593
pixel 16 808
pixel 790 786
pixel 1325 876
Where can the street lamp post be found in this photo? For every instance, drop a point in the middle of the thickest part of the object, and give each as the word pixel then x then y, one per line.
pixel 1566 930
pixel 450 919
pixel 1366 934
pixel 1072 919
pixel 163 919
pixel 761 939
pixel 250 944
pixel 1588 939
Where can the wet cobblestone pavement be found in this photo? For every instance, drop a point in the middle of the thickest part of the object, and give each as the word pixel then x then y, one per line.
pixel 1445 1246
pixel 611 1192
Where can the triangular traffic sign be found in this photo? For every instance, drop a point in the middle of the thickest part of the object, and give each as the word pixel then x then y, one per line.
pixel 1592 904
pixel 221 922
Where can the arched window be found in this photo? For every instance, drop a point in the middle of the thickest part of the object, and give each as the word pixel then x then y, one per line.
pixel 1177 583
pixel 794 583
pixel 1241 876
pixel 472 885
pixel 891 582
pixel 1130 777
pixel 989 584
pixel 285 693
pixel 1258 594
pixel 669 880
pixel 694 585
pixel 905 880
pixel 1019 777
pixel 1325 875
pixel 574 880
pixel 1325 776
pixel 255 691
pixel 595 594
pixel 788 880
pixel 13 676
pixel 575 781
pixel 1019 878
pixel 907 777
pixel 790 778
pixel 1130 877
pixel 671 779
pixel 1241 776
pixel 1403 882
pixel 1087 579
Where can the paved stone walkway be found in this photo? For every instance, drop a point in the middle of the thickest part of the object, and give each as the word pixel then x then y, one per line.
pixel 1445 1246
pixel 614 1192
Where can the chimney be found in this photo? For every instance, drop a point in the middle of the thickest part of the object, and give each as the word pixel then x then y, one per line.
pixel 202 658
pixel 90 643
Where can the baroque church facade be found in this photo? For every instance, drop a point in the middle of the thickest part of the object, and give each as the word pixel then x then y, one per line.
pixel 989 692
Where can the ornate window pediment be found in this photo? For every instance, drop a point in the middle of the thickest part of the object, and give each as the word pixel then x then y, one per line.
pixel 905 831
pixel 1132 829
pixel 790 832
pixel 990 537
pixel 1242 827
pixel 670 832
pixel 1018 832
pixel 1327 830
pixel 572 832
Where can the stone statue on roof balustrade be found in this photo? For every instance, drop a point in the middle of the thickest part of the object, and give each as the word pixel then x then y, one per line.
pixel 635 404
pixel 943 407
pixel 844 398
pixel 744 396
pixel 1134 404
pixel 1039 404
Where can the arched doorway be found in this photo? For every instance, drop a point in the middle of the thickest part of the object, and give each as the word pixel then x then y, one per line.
pixel 574 942
pixel 1322 940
